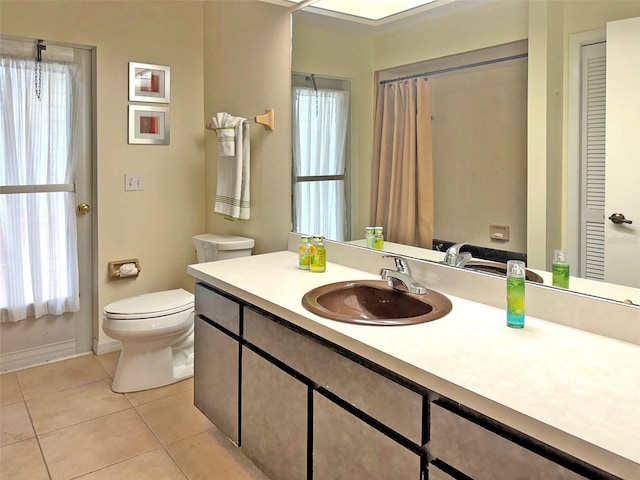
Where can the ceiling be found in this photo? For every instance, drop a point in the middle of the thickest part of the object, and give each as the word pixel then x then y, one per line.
pixel 378 15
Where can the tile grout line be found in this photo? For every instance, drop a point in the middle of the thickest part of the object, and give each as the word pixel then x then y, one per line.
pixel 35 433
pixel 65 389
pixel 165 448
pixel 162 445
pixel 107 377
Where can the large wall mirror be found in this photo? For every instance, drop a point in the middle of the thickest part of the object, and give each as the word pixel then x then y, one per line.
pixel 527 181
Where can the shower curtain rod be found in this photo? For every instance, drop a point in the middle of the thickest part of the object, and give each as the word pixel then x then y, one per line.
pixel 453 69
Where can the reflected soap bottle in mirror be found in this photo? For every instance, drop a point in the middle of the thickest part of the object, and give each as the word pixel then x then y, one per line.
pixel 370 236
pixel 560 269
pixel 378 238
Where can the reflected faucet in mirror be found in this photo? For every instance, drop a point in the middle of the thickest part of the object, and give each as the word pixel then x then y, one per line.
pixel 455 257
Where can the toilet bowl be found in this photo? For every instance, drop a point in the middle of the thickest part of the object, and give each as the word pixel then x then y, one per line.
pixel 156 329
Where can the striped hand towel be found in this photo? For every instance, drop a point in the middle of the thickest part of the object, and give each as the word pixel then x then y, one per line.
pixel 232 191
pixel 224 125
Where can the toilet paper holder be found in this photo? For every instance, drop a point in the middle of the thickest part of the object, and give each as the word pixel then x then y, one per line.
pixel 124 269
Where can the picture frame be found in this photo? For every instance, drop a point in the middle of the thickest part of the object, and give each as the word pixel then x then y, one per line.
pixel 149 125
pixel 149 83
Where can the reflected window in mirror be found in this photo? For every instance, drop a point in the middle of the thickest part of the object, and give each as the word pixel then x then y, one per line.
pixel 320 129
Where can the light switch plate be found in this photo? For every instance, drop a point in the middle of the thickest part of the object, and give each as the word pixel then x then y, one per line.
pixel 133 182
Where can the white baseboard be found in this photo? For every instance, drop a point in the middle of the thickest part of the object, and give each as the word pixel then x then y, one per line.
pixel 106 347
pixel 31 357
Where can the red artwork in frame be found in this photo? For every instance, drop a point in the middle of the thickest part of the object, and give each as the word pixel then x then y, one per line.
pixel 149 125
pixel 149 83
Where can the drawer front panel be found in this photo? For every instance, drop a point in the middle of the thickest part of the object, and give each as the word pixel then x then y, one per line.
pixel 392 404
pixel 482 454
pixel 220 309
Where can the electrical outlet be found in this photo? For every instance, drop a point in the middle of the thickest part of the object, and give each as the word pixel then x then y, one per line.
pixel 133 182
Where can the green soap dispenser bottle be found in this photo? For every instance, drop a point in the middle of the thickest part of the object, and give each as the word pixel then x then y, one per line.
pixel 516 274
pixel 318 255
pixel 304 252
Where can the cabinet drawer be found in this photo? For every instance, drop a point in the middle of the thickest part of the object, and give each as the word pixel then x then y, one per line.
pixel 221 310
pixel 395 406
pixel 482 454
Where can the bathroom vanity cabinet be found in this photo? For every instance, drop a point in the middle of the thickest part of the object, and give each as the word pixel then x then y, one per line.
pixel 302 407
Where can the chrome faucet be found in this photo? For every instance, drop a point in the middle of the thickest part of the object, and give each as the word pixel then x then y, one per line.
pixel 401 276
pixel 455 257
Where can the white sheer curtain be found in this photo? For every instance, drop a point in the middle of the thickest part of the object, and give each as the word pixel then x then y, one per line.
pixel 319 135
pixel 38 245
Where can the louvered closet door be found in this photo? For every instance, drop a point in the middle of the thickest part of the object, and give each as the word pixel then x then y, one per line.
pixel 594 82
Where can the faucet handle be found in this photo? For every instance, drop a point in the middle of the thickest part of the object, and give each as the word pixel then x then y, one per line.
pixel 401 263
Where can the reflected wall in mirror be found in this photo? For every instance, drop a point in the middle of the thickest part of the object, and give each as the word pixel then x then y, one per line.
pixel 363 55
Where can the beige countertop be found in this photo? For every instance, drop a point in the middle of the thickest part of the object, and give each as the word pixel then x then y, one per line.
pixel 574 390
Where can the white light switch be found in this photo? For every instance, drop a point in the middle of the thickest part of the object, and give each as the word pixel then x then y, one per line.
pixel 133 182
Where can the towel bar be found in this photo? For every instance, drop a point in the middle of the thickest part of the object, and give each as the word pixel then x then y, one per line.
pixel 267 119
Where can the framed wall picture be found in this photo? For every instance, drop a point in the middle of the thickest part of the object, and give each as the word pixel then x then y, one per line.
pixel 148 125
pixel 149 83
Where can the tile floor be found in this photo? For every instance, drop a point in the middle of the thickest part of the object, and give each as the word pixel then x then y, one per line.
pixel 62 421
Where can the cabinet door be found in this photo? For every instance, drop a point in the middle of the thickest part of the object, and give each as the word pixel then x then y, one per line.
pixel 216 377
pixel 482 454
pixel 274 419
pixel 347 448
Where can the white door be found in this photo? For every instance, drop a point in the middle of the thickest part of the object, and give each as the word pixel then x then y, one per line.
pixel 50 337
pixel 622 240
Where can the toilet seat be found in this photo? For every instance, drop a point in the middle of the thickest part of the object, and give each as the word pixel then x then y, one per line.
pixel 150 305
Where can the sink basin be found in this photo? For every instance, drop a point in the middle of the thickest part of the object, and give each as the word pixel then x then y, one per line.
pixel 373 302
pixel 499 269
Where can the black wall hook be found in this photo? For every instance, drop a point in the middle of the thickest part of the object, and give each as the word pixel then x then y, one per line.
pixel 39 47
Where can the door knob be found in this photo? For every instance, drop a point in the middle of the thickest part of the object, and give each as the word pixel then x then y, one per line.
pixel 83 208
pixel 619 219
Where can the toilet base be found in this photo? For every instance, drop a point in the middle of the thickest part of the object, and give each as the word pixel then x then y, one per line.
pixel 143 366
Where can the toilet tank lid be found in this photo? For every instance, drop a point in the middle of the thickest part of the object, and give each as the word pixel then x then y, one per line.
pixel 152 304
pixel 225 242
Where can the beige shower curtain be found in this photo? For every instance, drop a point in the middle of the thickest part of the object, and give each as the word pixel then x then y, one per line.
pixel 402 171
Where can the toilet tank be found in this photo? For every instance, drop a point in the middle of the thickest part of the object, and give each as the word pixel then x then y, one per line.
pixel 211 247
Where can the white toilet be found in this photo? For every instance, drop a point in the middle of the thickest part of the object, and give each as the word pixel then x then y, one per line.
pixel 156 329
